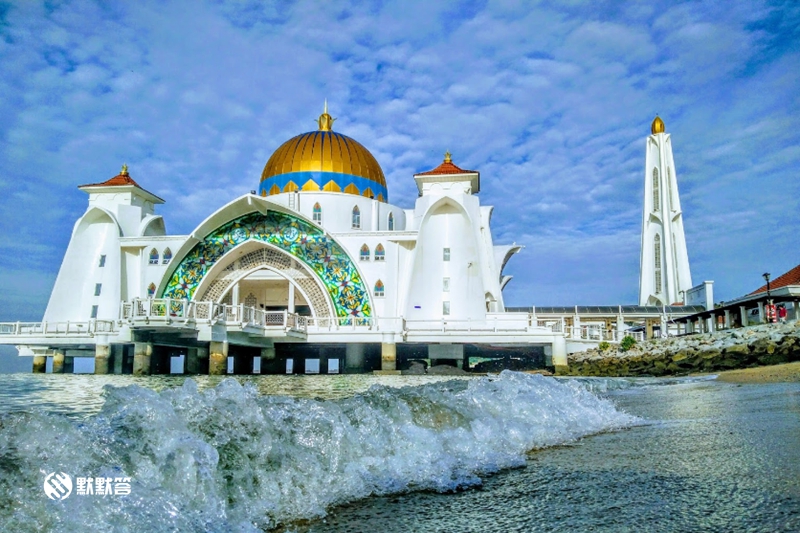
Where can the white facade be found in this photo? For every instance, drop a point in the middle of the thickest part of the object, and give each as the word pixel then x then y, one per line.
pixel 664 262
pixel 436 262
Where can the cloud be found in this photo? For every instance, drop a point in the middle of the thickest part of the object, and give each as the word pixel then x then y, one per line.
pixel 551 103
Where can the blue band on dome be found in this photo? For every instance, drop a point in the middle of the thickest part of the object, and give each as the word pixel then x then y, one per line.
pixel 321 179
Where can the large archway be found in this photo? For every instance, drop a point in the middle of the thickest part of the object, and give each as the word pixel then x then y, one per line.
pixel 224 277
pixel 301 240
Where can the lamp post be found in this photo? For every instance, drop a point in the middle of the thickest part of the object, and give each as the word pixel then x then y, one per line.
pixel 769 300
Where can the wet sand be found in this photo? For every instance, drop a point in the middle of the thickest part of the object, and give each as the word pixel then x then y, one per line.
pixel 785 373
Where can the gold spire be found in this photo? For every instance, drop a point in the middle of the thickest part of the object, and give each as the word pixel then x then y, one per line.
pixel 325 121
pixel 447 158
pixel 657 126
pixel 124 171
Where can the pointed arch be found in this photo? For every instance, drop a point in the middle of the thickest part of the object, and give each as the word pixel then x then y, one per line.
pixel 317 213
pixel 379 291
pixel 363 255
pixel 153 256
pixel 356 219
pixel 380 253
pixel 201 265
pixel 391 222
pixel 656 191
pixel 166 257
pixel 151 290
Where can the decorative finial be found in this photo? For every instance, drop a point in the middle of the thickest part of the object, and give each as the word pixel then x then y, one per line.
pixel 657 126
pixel 124 171
pixel 325 121
pixel 447 158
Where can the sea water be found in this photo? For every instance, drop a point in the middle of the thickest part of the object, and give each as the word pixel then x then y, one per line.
pixel 512 452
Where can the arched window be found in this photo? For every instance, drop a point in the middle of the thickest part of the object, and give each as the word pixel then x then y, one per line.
pixel 356 218
pixel 379 289
pixel 250 300
pixel 364 254
pixel 657 261
pixel 151 290
pixel 167 257
pixel 317 216
pixel 656 191
pixel 380 253
pixel 153 256
pixel 391 221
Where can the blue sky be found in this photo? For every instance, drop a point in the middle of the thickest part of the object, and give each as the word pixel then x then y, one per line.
pixel 551 102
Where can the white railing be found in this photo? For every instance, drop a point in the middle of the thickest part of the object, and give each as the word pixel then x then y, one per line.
pixel 242 315
pixel 87 328
pixel 598 333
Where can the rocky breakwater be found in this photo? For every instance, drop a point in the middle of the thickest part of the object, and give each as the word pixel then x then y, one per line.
pixel 766 344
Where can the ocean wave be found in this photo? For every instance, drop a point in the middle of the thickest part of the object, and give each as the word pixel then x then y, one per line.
pixel 229 459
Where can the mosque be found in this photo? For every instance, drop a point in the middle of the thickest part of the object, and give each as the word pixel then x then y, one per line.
pixel 315 271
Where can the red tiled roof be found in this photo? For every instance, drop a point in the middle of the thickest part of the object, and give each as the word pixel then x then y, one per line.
pixel 446 168
pixel 791 277
pixel 120 179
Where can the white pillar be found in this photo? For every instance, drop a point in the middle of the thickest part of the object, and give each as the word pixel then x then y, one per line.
pixel 743 315
pixel 560 354
pixel 762 315
pixel 291 297
pixel 235 294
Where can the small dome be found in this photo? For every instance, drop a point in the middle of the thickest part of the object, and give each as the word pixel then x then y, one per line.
pixel 323 160
pixel 657 126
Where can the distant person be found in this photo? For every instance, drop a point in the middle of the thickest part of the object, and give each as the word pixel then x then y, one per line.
pixel 782 313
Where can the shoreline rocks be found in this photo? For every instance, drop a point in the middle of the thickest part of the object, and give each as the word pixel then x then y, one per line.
pixel 752 346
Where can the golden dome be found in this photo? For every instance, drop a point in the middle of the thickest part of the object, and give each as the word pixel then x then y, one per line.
pixel 323 160
pixel 657 126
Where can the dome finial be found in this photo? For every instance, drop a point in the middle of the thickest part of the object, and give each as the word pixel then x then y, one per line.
pixel 325 121
pixel 657 126
pixel 124 171
pixel 447 158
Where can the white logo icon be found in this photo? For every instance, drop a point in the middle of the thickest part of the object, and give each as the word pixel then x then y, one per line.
pixel 58 486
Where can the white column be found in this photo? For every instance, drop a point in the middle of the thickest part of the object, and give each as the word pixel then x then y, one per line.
pixel 743 315
pixel 235 294
pixel 291 297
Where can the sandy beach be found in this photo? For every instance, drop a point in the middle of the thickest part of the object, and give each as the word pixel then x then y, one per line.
pixel 788 372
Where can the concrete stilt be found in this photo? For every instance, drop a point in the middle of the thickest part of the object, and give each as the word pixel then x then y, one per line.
pixel 202 360
pixel 389 357
pixel 560 355
pixel 142 351
pixel 58 362
pixel 217 358
pixel 118 358
pixel 102 354
pixel 192 362
pixel 39 364
pixel 354 357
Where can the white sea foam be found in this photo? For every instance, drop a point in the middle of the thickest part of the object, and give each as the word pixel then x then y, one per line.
pixel 227 459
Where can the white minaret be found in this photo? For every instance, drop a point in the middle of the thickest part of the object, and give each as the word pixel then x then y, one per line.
pixel 664 275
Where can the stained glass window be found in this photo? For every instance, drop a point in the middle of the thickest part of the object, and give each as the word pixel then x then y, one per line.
pixel 356 218
pixel 167 256
pixel 151 290
pixel 379 289
pixel 380 253
pixel 391 221
pixel 153 256
pixel 364 254
pixel 317 215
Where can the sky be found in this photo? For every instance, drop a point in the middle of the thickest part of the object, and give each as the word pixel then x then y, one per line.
pixel 551 101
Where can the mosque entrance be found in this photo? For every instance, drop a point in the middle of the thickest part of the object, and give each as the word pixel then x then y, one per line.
pixel 269 291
